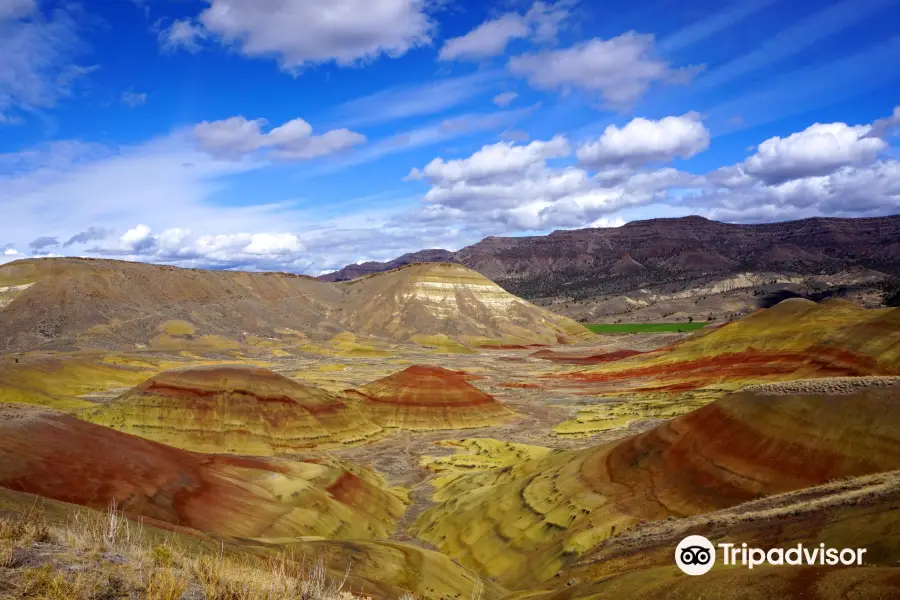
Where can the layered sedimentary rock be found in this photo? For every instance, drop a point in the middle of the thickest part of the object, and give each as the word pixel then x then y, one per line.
pixel 523 523
pixel 449 299
pixel 861 512
pixel 63 458
pixel 428 398
pixel 235 409
pixel 794 339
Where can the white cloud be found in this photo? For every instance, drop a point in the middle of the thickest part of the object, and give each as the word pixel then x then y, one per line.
pixel 619 70
pixel 504 187
pixel 548 18
pixel 820 149
pixel 133 99
pixel 488 39
pixel 644 141
pixel 493 162
pixel 871 190
pixel 505 99
pixel 237 137
pixel 830 169
pixel 37 69
pixel 541 24
pixel 300 33
pixel 182 34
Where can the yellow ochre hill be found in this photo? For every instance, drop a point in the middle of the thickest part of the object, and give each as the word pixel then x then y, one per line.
pixel 235 409
pixel 449 299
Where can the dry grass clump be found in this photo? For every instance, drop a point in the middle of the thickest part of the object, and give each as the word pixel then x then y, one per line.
pixel 103 556
pixel 246 578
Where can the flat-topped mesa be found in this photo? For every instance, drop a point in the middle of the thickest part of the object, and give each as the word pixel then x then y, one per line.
pixel 429 398
pixel 239 409
pixel 449 299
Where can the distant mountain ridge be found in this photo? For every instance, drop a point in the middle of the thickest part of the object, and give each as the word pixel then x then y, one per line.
pixel 367 268
pixel 661 250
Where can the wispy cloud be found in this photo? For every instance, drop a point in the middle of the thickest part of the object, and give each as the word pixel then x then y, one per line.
pixel 712 24
pixel 794 39
pixel 38 66
pixel 419 100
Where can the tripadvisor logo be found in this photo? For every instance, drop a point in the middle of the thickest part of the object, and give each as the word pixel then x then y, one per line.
pixel 695 555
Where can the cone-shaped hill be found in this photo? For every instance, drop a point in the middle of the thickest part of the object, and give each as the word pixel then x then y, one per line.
pixel 63 458
pixel 429 398
pixel 534 518
pixel 449 299
pixel 235 409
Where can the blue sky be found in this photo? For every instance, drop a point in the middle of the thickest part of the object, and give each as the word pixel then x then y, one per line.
pixel 302 135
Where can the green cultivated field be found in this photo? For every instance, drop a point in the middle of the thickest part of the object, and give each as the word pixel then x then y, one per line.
pixel 644 327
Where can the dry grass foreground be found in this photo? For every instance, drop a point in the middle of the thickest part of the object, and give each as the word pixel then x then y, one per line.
pixel 58 551
pixel 525 522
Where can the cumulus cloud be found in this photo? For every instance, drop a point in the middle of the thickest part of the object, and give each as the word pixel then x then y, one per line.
pixel 236 137
pixel 300 33
pixel 820 149
pixel 514 188
pixel 541 23
pixel 871 190
pixel 494 162
pixel 644 141
pixel 618 70
pixel 38 68
pixel 133 99
pixel 505 99
pixel 826 169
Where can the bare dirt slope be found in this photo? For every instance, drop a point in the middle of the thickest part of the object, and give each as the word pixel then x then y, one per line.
pixel 452 300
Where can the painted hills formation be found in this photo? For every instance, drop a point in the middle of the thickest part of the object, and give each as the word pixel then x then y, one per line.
pixel 794 339
pixel 235 409
pixel 58 456
pixel 430 398
pixel 524 523
pixel 685 266
pixel 69 303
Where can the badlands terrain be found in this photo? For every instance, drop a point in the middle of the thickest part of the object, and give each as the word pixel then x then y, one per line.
pixel 422 431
